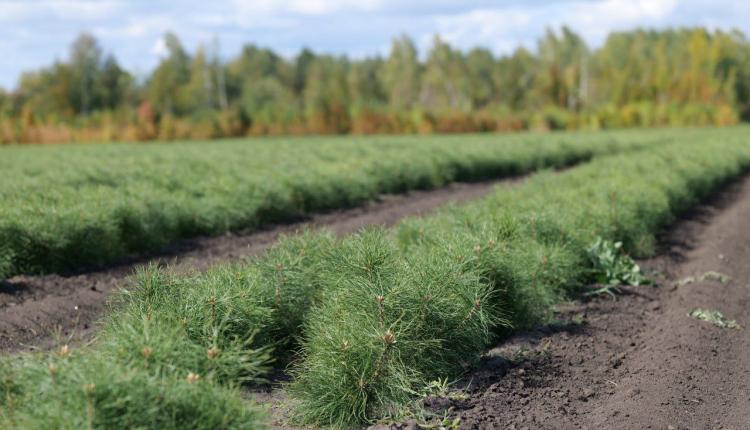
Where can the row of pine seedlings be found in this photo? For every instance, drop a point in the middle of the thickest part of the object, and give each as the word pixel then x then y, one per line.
pixel 99 211
pixel 362 323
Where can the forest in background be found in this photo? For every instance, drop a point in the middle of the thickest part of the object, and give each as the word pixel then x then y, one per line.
pixel 674 77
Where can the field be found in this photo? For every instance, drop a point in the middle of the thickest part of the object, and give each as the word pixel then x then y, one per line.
pixel 62 208
pixel 367 326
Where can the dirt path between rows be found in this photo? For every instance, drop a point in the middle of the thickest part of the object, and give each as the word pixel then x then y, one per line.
pixel 38 311
pixel 639 361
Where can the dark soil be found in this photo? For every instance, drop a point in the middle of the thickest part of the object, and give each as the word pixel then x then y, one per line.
pixel 638 362
pixel 39 311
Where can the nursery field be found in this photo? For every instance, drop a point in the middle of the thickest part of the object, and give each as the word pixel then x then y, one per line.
pixel 67 207
pixel 365 326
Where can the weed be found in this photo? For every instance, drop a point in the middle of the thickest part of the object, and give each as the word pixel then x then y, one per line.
pixel 576 320
pixel 446 423
pixel 708 276
pixel 715 276
pixel 714 317
pixel 612 268
pixel 437 388
pixel 685 281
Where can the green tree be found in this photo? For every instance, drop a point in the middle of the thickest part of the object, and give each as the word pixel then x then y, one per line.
pixel 47 92
pixel 267 101
pixel 199 90
pixel 445 83
pixel 366 90
pixel 114 85
pixel 515 79
pixel 562 61
pixel 172 73
pixel 301 70
pixel 638 77
pixel 85 63
pixel 255 63
pixel 325 96
pixel 481 68
pixel 401 74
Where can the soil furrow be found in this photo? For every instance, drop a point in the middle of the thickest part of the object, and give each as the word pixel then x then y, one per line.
pixel 639 361
pixel 38 311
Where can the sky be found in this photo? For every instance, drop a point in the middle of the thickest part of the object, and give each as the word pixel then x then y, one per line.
pixel 34 33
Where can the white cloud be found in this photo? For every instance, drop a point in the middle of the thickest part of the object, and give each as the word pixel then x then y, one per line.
pixel 139 27
pixel 159 48
pixel 133 29
pixel 499 29
pixel 80 9
pixel 14 11
pixel 595 20
pixel 504 28
pixel 304 7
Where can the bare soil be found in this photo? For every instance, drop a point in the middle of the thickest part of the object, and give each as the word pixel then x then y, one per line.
pixel 638 362
pixel 40 311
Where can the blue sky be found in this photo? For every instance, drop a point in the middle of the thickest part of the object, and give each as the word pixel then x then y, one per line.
pixel 33 33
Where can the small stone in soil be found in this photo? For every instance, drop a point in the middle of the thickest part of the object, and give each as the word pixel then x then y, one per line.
pixel 586 394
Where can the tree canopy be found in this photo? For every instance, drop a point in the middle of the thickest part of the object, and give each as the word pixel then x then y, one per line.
pixel 636 78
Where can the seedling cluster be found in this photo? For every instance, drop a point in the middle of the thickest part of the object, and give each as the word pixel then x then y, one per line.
pixel 365 322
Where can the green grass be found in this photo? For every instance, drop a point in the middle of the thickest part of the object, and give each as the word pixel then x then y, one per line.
pixel 73 206
pixel 369 320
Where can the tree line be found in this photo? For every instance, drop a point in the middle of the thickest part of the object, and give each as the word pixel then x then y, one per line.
pixel 684 76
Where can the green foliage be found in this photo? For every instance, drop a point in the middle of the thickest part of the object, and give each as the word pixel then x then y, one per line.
pixel 677 77
pixel 63 208
pixel 380 314
pixel 714 317
pixel 611 267
pixel 288 277
pixel 210 330
pixel 715 276
pixel 711 275
pixel 72 389
pixel 523 248
pixel 386 323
